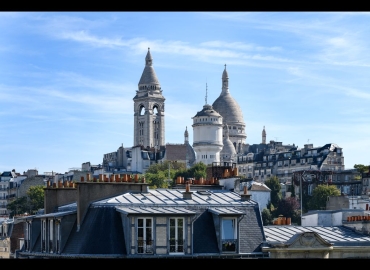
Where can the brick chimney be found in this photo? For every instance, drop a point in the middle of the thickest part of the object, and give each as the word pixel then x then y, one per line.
pixel 245 196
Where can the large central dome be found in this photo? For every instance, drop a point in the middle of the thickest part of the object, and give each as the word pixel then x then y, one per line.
pixel 226 105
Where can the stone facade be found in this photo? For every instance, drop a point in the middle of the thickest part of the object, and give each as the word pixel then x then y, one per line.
pixel 149 109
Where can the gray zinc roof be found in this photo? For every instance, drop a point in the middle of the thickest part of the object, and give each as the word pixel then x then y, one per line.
pixel 338 235
pixel 154 210
pixel 174 197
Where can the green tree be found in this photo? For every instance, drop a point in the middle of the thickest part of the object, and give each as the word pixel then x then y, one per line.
pixel 36 198
pixel 198 170
pixel 361 168
pixel 266 217
pixel 18 206
pixel 287 207
pixel 273 183
pixel 320 195
pixel 31 203
pixel 157 180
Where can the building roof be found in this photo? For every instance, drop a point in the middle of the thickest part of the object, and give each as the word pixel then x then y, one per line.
pixel 226 211
pixel 230 110
pixel 154 210
pixel 179 152
pixel 149 76
pixel 255 186
pixel 208 110
pixel 337 235
pixel 228 150
pixel 174 197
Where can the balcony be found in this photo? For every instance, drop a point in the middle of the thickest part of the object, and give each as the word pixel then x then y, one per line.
pixel 145 246
pixel 229 245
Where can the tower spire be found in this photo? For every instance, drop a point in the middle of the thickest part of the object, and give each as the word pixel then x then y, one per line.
pixel 225 81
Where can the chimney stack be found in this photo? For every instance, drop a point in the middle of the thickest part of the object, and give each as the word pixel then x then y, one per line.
pixel 187 195
pixel 245 196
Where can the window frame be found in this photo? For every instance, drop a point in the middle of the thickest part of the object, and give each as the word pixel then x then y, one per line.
pixel 177 244
pixel 146 246
pixel 229 245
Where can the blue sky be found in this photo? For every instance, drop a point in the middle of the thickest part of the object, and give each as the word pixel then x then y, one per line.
pixel 67 79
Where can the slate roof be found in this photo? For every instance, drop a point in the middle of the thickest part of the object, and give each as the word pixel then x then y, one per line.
pixel 100 233
pixel 179 152
pixel 337 235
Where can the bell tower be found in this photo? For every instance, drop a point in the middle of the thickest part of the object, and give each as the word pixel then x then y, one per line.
pixel 149 108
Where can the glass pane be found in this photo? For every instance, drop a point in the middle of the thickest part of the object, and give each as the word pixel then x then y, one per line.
pixel 172 233
pixel 179 233
pixel 149 223
pixel 180 222
pixel 148 233
pixel 140 233
pixel 140 222
pixel 227 229
pixel 172 222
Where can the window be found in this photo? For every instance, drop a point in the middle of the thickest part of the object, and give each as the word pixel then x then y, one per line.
pixel 144 235
pixel 43 236
pixel 176 235
pixel 51 236
pixel 228 234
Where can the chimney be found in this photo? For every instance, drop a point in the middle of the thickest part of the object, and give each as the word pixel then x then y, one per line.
pixel 245 196
pixel 288 221
pixel 187 195
pixel 88 177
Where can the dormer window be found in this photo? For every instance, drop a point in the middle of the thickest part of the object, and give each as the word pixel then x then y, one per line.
pixel 229 236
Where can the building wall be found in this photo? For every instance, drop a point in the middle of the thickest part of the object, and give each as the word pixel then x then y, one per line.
pixel 262 197
pixel 30 182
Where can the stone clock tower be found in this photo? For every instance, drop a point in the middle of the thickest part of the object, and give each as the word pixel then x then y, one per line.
pixel 149 109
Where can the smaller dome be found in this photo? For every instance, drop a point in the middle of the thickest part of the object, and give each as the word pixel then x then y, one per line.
pixel 228 149
pixel 208 111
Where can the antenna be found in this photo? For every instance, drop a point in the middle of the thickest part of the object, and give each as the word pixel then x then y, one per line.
pixel 206 92
pixel 308 140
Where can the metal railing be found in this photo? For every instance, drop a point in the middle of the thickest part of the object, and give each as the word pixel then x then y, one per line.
pixel 229 245
pixel 145 246
pixel 176 245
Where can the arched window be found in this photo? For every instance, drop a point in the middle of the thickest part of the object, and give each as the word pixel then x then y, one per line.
pixel 155 109
pixel 142 110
